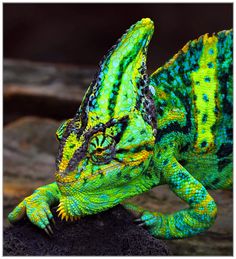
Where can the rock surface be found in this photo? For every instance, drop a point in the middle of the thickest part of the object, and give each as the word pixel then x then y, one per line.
pixel 112 232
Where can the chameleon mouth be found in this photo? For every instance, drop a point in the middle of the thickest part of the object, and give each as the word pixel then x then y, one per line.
pixel 71 179
pixel 64 180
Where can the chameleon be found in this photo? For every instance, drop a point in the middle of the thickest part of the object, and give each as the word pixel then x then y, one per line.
pixel 133 132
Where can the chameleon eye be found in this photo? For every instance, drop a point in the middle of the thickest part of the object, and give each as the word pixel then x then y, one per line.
pixel 101 149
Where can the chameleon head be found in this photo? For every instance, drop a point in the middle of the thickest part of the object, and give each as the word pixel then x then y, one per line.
pixel 107 146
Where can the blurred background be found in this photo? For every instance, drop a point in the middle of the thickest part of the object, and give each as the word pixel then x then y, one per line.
pixel 51 53
pixel 82 33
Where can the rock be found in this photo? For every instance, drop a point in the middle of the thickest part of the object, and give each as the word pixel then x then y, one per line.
pixel 45 90
pixel 112 232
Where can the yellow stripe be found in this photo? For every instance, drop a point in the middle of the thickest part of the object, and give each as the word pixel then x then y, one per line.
pixel 136 159
pixel 204 86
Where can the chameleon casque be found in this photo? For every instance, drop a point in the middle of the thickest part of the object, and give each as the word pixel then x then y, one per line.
pixel 133 132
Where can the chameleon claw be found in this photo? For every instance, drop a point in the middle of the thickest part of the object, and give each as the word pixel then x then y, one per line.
pixel 138 220
pixel 47 232
pixel 142 224
pixel 50 229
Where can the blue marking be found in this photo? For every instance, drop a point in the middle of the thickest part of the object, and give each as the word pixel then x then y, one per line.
pixel 104 196
pixel 211 51
pixel 210 65
pixel 207 79
pixel 205 98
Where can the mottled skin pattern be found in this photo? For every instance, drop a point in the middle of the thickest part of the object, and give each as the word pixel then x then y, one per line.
pixel 132 133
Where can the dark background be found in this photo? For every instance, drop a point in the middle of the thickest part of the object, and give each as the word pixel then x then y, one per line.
pixel 82 33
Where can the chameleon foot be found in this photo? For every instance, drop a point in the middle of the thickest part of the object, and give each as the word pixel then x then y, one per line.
pixel 148 219
pixel 53 221
pixel 140 222
pixel 36 209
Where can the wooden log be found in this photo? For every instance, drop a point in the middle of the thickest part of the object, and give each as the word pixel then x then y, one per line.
pixel 45 90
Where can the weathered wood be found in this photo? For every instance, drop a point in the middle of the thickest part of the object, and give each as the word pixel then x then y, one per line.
pixel 45 90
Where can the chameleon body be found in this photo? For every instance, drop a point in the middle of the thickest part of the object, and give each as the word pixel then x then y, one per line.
pixel 133 132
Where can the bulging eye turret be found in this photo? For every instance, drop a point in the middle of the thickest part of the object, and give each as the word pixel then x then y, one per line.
pixel 102 149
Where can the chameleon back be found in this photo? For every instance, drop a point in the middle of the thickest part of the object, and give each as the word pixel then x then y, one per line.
pixel 194 100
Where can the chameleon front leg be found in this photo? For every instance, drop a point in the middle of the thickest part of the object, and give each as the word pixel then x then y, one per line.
pixel 37 207
pixel 198 217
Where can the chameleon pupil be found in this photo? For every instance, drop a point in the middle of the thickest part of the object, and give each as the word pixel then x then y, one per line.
pixel 102 148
